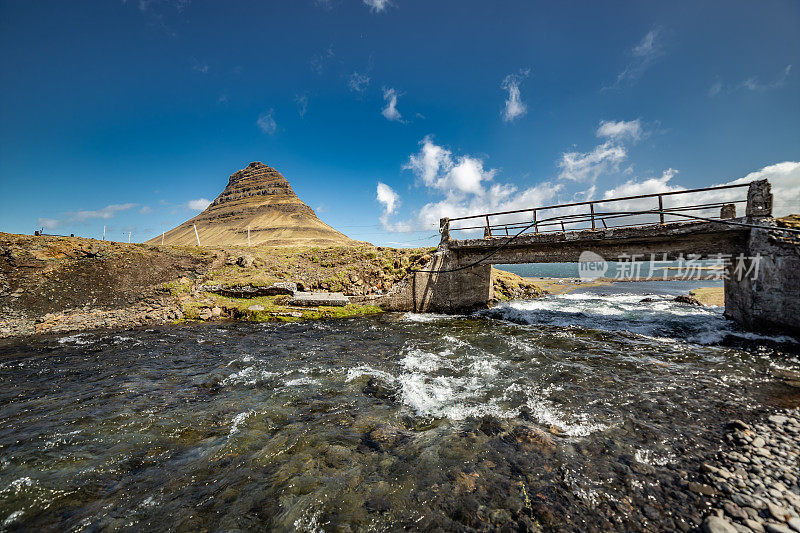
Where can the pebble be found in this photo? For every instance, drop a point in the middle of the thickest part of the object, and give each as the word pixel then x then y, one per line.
pixel 715 524
pixel 756 473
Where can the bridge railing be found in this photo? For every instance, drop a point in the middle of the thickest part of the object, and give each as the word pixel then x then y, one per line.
pixel 720 202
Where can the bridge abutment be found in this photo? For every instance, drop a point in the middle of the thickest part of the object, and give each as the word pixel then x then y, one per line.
pixel 767 298
pixel 442 287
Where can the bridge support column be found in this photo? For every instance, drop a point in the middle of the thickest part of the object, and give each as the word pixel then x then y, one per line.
pixel 437 289
pixel 770 300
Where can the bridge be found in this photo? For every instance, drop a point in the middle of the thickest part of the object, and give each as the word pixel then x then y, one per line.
pixel 696 224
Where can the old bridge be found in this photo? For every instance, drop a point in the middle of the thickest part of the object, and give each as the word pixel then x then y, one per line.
pixel 698 223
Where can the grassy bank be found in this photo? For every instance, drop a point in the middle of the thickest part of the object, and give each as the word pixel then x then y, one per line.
pixel 62 284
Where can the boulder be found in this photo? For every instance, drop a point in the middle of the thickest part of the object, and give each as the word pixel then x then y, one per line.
pixel 245 261
pixel 686 299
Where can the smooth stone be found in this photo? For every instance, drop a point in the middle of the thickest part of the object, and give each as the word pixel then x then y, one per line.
pixel 715 524
pixel 701 488
pixel 794 523
pixel 778 512
pixel 776 528
pixel 755 526
pixel 734 511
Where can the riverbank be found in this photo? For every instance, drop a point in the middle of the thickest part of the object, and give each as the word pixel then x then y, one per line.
pixel 66 284
pixel 752 484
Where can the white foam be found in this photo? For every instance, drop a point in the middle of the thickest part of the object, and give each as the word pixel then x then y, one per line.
pixel 662 319
pixel 249 376
pixel 305 380
pixel 425 317
pixel 239 419
pixel 577 425
pixel 649 457
pixel 366 370
pixel 79 339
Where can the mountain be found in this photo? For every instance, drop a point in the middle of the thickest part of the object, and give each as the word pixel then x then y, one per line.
pixel 260 198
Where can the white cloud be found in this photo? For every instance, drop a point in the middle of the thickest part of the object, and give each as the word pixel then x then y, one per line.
pixel 465 185
pixel 390 112
pixel 514 106
pixel 358 82
pixel 146 210
pixel 785 180
pixel 642 56
pixel 438 169
pixel 48 223
pixel 302 104
pixel 201 67
pixel 620 130
pixel 753 83
pixel 266 123
pixel 390 201
pixel 201 204
pixel 579 166
pixel 377 6
pixel 783 177
pixel 387 197
pixel 80 217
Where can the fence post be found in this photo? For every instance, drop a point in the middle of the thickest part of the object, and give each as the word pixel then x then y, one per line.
pixel 196 235
pixel 535 225
pixel 661 208
pixel 591 208
pixel 488 227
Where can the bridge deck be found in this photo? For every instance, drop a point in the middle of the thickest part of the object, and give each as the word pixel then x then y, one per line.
pixel 705 239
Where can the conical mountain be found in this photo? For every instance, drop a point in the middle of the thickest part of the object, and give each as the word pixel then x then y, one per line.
pixel 261 198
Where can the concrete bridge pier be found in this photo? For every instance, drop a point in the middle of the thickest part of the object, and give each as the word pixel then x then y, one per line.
pixel 762 290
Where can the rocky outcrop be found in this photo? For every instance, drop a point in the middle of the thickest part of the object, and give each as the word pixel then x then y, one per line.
pixel 259 198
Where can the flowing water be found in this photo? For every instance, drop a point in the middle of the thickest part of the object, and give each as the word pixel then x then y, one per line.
pixel 577 412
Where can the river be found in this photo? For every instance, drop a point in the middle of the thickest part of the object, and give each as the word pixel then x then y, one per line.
pixel 585 411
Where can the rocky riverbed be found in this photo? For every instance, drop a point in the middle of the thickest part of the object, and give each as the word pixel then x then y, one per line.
pixel 752 484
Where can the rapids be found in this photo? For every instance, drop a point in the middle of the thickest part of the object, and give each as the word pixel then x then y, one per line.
pixel 382 423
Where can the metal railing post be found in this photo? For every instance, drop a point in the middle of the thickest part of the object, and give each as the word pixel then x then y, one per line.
pixel 591 208
pixel 488 227
pixel 535 225
pixel 661 208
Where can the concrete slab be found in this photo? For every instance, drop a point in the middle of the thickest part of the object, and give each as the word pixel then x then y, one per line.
pixel 310 299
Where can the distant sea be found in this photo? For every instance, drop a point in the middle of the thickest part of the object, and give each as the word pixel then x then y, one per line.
pixel 621 270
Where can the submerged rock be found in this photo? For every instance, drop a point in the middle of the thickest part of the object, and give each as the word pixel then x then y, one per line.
pixel 378 388
pixel 529 437
pixel 685 299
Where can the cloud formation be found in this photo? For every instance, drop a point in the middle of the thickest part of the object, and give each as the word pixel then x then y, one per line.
pixel 201 204
pixel 642 56
pixel 466 186
pixel 358 82
pixel 620 130
pixel 378 6
pixel 753 84
pixel 81 217
pixel 514 106
pixel 390 111
pixel 390 201
pixel 302 104
pixel 266 123
pixel 587 166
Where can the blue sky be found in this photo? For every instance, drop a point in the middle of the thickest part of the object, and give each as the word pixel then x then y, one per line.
pixel 385 115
